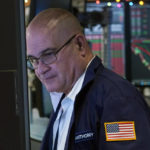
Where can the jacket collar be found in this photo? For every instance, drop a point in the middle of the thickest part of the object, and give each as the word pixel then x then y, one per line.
pixel 92 70
pixel 94 67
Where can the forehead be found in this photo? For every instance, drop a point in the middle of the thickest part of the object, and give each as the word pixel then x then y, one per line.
pixel 38 40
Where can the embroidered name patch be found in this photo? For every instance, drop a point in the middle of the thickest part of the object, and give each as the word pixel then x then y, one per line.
pixel 120 131
pixel 84 136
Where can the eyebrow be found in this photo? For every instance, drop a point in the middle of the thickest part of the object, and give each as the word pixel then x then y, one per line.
pixel 43 51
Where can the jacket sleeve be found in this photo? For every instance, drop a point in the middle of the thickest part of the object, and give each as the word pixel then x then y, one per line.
pixel 125 124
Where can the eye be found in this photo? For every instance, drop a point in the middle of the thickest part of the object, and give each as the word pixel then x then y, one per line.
pixel 48 58
pixel 48 54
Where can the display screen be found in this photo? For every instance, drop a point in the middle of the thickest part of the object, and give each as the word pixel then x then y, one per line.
pixel 140 44
pixel 107 40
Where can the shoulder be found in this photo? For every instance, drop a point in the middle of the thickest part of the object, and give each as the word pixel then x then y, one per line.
pixel 113 84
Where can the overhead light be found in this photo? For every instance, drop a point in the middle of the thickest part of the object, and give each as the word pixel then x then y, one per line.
pixel 141 3
pixel 97 1
pixel 109 4
pixel 131 3
pixel 117 1
pixel 119 5
pixel 26 1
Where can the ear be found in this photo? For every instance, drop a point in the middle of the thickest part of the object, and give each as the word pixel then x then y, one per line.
pixel 81 43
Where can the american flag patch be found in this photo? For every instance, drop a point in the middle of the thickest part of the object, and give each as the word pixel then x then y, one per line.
pixel 120 131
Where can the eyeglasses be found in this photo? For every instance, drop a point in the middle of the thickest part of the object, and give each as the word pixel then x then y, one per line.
pixel 49 57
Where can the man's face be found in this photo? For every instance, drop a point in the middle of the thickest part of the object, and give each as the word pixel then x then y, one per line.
pixel 61 74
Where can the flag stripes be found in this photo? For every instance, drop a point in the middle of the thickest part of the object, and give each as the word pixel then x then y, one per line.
pixel 119 131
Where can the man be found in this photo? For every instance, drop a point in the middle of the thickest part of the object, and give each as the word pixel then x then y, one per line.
pixel 99 110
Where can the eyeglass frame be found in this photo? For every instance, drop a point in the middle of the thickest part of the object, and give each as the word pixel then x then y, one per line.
pixel 31 58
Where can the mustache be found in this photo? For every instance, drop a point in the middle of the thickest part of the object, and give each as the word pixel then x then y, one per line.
pixel 47 76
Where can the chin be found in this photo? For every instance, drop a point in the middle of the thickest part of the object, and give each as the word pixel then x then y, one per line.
pixel 51 88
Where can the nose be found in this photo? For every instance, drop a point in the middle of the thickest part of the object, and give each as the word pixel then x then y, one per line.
pixel 42 68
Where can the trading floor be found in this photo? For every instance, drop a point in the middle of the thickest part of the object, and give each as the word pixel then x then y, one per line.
pixel 118 32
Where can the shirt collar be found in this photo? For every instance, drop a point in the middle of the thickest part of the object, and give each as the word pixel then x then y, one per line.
pixel 77 86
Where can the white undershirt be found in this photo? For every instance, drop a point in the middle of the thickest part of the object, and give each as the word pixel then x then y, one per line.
pixel 55 98
pixel 67 106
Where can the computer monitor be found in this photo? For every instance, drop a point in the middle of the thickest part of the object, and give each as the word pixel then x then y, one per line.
pixel 140 44
pixel 14 125
pixel 106 38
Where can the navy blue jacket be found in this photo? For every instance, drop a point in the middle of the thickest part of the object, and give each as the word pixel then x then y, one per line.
pixel 105 98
